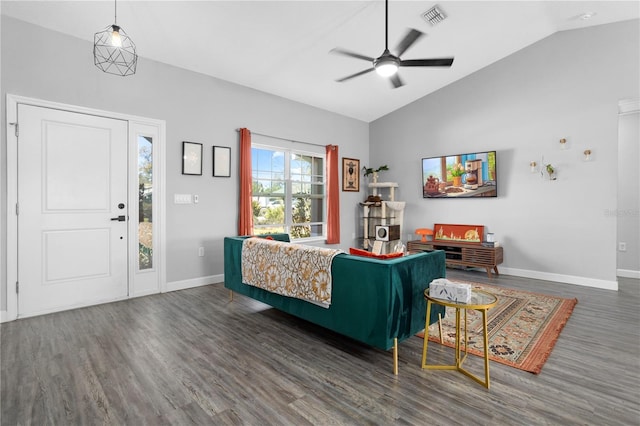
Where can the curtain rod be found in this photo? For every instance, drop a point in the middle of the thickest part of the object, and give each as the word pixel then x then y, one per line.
pixel 284 139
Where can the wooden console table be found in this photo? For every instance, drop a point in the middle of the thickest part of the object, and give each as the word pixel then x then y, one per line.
pixel 464 254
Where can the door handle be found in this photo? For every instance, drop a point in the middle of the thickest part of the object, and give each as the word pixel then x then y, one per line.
pixel 119 218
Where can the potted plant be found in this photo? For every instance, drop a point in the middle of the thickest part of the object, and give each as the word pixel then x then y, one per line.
pixel 551 171
pixel 457 170
pixel 370 171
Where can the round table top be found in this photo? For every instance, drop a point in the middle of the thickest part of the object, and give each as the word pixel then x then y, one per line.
pixel 480 299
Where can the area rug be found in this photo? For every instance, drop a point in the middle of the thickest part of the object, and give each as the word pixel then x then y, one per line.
pixel 523 327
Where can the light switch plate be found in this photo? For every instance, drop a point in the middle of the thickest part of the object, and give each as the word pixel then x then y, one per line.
pixel 182 198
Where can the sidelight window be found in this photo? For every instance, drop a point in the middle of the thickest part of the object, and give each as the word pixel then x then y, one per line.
pixel 145 203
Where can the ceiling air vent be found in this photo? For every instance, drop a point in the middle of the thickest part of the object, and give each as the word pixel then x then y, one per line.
pixel 434 15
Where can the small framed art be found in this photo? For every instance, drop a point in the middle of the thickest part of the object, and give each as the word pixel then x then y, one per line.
pixel 473 234
pixel 350 174
pixel 221 161
pixel 191 158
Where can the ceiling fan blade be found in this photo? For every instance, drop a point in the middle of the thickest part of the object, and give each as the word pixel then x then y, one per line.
pixel 349 77
pixel 351 54
pixel 396 81
pixel 411 37
pixel 437 62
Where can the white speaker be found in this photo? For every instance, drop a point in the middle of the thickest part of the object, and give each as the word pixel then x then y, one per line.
pixel 387 232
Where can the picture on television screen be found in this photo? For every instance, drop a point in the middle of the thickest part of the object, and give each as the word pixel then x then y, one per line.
pixel 460 176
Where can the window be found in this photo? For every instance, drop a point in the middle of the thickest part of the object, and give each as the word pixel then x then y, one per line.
pixel 288 192
pixel 145 202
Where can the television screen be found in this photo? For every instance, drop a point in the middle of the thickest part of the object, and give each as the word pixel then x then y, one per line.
pixel 460 176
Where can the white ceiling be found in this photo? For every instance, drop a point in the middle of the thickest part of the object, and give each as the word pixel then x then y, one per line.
pixel 282 47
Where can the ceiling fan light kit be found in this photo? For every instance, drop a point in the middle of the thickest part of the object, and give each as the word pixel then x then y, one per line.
pixel 113 50
pixel 387 64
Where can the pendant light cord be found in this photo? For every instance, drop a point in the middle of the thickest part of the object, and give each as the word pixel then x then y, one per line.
pixel 115 12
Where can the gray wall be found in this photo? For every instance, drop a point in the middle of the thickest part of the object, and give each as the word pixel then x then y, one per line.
pixel 43 64
pixel 565 86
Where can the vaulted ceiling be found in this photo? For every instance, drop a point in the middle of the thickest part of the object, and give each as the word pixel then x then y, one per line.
pixel 282 47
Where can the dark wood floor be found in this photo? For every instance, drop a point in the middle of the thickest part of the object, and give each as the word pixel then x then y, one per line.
pixel 194 357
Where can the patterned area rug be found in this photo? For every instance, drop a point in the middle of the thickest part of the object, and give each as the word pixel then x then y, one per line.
pixel 523 327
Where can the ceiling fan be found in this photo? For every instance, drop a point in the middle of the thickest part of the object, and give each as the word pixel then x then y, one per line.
pixel 387 64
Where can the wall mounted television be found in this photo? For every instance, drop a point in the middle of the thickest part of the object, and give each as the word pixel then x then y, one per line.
pixel 460 176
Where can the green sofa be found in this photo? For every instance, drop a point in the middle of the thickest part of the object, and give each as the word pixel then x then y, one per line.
pixel 377 302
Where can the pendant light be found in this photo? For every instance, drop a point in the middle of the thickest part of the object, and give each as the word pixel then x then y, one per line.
pixel 113 50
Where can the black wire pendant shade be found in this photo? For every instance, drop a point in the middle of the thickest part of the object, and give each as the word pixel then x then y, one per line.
pixel 114 52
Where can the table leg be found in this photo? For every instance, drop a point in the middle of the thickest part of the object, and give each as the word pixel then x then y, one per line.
pixel 426 335
pixel 486 348
pixel 466 340
pixel 458 337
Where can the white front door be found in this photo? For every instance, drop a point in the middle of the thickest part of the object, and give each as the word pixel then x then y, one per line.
pixel 72 210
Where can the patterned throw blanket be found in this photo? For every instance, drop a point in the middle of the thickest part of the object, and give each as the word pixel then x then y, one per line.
pixel 293 270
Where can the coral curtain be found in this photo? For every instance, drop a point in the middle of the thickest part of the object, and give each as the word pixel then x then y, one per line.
pixel 333 196
pixel 245 212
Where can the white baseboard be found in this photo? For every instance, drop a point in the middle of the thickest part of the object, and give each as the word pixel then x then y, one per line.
pixel 568 279
pixel 4 316
pixel 628 273
pixel 194 282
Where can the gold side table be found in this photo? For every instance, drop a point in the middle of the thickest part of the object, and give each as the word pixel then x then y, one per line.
pixel 480 301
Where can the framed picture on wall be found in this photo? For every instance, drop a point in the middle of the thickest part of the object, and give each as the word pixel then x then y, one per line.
pixel 350 174
pixel 221 161
pixel 191 158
